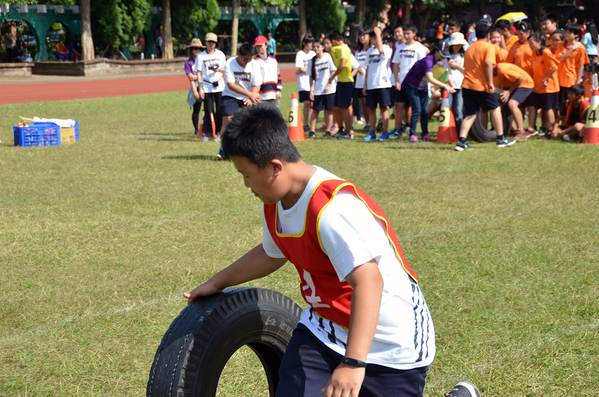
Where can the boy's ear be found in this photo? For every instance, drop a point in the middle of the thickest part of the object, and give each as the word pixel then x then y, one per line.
pixel 277 166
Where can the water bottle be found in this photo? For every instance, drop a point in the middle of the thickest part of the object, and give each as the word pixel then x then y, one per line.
pixel 152 57
pixel 142 56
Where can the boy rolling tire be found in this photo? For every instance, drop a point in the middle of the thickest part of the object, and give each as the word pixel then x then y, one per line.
pixel 200 341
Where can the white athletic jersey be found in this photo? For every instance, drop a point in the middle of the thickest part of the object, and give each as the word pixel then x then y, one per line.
pixel 247 77
pixel 324 68
pixel 269 68
pixel 406 56
pixel 352 236
pixel 378 68
pixel 363 61
pixel 206 63
pixel 301 61
pixel 456 76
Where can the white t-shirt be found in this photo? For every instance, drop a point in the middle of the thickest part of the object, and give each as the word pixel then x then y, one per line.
pixel 406 56
pixel 301 61
pixel 363 61
pixel 352 236
pixel 207 63
pixel 323 67
pixel 454 74
pixel 378 68
pixel 247 77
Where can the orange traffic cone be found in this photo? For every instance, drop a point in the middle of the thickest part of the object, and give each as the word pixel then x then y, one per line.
pixel 200 131
pixel 591 130
pixel 214 132
pixel 447 131
pixel 296 127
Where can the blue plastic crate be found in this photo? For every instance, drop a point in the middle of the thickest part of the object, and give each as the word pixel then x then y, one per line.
pixel 38 134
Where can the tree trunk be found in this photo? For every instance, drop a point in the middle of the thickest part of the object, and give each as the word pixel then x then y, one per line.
pixel 423 21
pixel 87 42
pixel 167 31
pixel 303 26
pixel 235 26
pixel 360 12
pixel 407 13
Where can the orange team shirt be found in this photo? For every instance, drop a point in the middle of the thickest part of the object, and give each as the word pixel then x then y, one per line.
pixel 520 55
pixel 510 42
pixel 508 73
pixel 475 76
pixel 501 54
pixel 541 65
pixel 567 70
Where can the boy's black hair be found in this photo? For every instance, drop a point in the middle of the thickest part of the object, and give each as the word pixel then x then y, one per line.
pixel 482 30
pixel 410 26
pixel 398 25
pixel 574 28
pixel 503 24
pixel 524 26
pixel 539 38
pixel 559 32
pixel 307 39
pixel 455 22
pixel 246 49
pixel 335 35
pixel 577 89
pixel 590 68
pixel 260 134
pixel 551 17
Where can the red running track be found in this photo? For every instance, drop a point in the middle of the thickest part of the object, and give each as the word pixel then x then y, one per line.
pixel 86 88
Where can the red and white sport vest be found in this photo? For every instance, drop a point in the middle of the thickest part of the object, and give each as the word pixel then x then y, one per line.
pixel 320 285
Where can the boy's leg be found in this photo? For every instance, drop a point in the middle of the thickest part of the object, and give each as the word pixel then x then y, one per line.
pixel 423 97
pixel 313 118
pixel 514 107
pixel 414 101
pixel 218 114
pixel 497 120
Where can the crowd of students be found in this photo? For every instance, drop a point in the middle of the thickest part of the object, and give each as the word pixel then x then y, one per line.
pixel 546 72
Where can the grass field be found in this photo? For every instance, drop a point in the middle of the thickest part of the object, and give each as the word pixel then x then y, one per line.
pixel 99 239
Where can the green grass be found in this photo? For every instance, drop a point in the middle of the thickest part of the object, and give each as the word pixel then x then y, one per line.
pixel 98 240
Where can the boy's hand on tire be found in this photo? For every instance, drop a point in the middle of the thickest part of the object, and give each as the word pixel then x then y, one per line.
pixel 201 290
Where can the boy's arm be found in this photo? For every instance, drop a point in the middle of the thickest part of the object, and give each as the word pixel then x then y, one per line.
pixel 489 73
pixel 255 264
pixel 434 81
pixel 566 54
pixel 340 67
pixel 367 283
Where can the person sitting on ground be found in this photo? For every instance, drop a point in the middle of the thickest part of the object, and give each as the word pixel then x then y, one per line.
pixel 367 329
pixel 576 116
pixel 62 51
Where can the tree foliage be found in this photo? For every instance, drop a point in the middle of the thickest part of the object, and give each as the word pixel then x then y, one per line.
pixel 325 15
pixel 117 21
pixel 191 16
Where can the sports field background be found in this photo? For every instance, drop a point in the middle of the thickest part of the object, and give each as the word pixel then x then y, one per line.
pixel 99 239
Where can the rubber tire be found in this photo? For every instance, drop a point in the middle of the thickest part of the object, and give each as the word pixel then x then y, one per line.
pixel 481 134
pixel 200 341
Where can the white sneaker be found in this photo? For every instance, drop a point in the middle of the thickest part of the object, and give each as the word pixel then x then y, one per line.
pixel 205 139
pixel 464 389
pixel 217 139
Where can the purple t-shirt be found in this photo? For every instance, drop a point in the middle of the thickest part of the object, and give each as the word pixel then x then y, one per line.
pixel 416 74
pixel 188 64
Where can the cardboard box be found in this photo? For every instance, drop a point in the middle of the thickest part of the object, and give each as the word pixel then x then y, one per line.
pixel 67 135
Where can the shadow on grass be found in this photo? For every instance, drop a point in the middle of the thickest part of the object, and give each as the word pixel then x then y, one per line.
pixel 167 136
pixel 195 157
pixel 425 146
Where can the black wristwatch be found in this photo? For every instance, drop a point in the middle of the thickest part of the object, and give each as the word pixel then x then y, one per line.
pixel 353 362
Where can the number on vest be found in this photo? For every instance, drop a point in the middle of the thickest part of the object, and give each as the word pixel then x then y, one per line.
pixel 313 300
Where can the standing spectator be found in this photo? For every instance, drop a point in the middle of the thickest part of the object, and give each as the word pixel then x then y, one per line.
pixel 362 58
pixel 455 65
pixel 478 88
pixel 322 90
pixel 272 46
pixel 10 41
pixel 486 18
pixel 399 40
pixel 520 53
pixel 405 57
pixel 471 34
pixel 590 41
pixel 572 60
pixel 191 70
pixel 341 55
pixel 508 39
pixel 211 67
pixel 377 83
pixel 302 58
pixel 270 90
pixel 548 26
pixel 159 43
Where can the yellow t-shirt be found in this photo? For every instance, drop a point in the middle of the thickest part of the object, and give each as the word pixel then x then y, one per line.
pixel 339 52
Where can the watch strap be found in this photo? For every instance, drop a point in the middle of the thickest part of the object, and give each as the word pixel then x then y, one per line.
pixel 353 362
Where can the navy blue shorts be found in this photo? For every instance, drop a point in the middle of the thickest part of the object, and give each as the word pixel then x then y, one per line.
pixel 401 96
pixel 392 91
pixel 379 96
pixel 308 364
pixel 358 93
pixel 344 93
pixel 563 94
pixel 545 101
pixel 304 96
pixel 326 101
pixel 229 105
pixel 520 95
pixel 474 101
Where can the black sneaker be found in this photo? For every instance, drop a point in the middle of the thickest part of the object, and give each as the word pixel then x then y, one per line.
pixel 505 142
pixel 311 134
pixel 461 146
pixel 464 389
